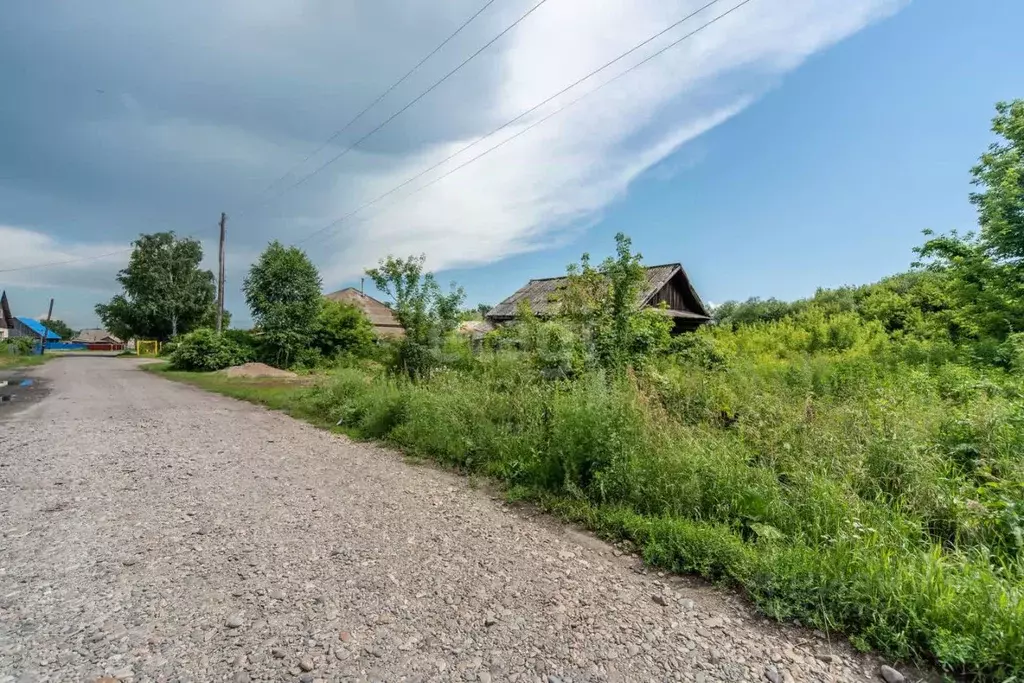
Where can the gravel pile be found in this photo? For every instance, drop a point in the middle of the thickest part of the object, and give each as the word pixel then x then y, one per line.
pixel 257 370
pixel 152 532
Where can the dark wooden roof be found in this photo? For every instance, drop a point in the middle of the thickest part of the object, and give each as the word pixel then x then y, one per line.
pixel 542 295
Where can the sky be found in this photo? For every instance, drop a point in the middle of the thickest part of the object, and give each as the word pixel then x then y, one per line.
pixel 789 145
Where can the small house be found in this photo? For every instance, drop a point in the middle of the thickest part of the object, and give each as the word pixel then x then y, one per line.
pixel 17 326
pixel 666 285
pixel 30 327
pixel 96 339
pixel 385 324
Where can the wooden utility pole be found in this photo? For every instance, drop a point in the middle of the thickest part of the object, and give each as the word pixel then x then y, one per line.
pixel 220 276
pixel 46 330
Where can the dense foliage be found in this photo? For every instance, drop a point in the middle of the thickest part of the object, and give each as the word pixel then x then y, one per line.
pixel 342 330
pixel 427 314
pixel 18 346
pixel 204 350
pixel 282 290
pixel 165 294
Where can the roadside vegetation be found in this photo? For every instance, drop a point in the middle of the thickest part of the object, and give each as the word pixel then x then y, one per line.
pixel 853 461
pixel 17 352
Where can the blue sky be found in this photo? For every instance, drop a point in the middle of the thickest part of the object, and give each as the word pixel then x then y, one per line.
pixel 792 145
pixel 831 177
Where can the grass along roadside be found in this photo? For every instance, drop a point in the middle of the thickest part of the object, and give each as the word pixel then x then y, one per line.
pixel 813 512
pixel 13 362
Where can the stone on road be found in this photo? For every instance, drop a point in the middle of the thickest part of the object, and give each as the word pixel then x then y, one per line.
pixel 154 532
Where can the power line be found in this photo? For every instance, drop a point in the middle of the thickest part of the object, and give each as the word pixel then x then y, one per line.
pixel 377 101
pixel 64 263
pixel 534 108
pixel 416 99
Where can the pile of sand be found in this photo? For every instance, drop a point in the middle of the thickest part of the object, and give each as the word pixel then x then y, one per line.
pixel 257 370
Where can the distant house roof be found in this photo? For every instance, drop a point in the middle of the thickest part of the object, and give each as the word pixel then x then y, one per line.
pixel 666 284
pixel 38 328
pixel 96 336
pixel 383 319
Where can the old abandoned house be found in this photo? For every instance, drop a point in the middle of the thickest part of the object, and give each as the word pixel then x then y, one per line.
pixel 665 284
pixel 383 319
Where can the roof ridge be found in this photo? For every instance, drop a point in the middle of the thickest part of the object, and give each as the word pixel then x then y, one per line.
pixel 562 277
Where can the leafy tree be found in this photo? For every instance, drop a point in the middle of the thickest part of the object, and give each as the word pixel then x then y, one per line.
pixel 603 306
pixel 342 328
pixel 282 290
pixel 987 269
pixel 165 291
pixel 427 314
pixel 61 329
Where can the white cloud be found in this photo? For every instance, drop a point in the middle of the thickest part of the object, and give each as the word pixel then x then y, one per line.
pixel 85 265
pixel 566 170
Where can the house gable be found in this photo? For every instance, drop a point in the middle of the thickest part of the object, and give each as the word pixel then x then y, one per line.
pixel 665 284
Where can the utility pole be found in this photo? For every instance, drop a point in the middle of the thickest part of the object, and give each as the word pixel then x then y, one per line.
pixel 46 330
pixel 220 276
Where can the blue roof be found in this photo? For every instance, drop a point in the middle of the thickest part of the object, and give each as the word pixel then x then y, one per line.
pixel 39 328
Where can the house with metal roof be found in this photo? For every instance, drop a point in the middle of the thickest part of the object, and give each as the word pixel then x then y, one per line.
pixel 30 327
pixel 667 287
pixel 12 326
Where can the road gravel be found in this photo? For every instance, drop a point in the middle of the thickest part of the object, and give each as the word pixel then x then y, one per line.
pixel 154 532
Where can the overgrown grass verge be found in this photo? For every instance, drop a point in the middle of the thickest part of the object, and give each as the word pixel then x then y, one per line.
pixel 13 361
pixel 878 500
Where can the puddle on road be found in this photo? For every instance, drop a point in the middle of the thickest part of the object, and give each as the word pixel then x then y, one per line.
pixel 18 389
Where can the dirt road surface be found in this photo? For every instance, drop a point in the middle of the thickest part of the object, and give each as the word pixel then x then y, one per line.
pixel 153 532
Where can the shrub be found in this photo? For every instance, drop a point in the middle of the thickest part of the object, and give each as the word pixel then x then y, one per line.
pixel 342 329
pixel 21 346
pixel 205 351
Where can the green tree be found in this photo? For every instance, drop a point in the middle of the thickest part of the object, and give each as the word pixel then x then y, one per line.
pixel 427 314
pixel 282 290
pixel 165 294
pixel 603 306
pixel 342 328
pixel 987 269
pixel 60 328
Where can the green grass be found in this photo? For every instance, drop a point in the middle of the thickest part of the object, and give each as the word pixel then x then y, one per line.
pixel 12 361
pixel 853 491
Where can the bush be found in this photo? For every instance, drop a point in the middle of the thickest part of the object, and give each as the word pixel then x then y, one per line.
pixel 342 329
pixel 205 351
pixel 21 346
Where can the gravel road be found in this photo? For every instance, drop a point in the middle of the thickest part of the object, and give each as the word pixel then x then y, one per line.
pixel 153 532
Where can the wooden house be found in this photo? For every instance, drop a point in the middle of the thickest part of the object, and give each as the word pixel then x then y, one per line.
pixel 383 319
pixel 666 284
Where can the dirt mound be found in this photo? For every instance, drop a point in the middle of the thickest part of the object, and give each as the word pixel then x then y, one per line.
pixel 257 370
